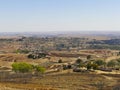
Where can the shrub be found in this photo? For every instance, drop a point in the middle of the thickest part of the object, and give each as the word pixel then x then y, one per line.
pixel 25 67
pixel 99 62
pixel 31 56
pixel 22 51
pixel 69 66
pixel 78 61
pixel 100 85
pixel 89 57
pixel 21 67
pixel 37 56
pixel 91 66
pixel 111 63
pixel 94 66
pixel 60 61
pixel 39 69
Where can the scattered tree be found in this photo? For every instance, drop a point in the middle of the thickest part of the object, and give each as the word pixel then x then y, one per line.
pixel 100 62
pixel 78 61
pixel 89 57
pixel 91 65
pixel 111 63
pixel 39 69
pixel 60 61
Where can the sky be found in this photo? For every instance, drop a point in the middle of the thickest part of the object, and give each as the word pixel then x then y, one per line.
pixel 59 15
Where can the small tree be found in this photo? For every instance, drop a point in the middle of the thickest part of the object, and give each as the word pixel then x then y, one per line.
pixel 39 69
pixel 25 67
pixel 118 63
pixel 91 65
pixel 94 66
pixel 60 61
pixel 99 62
pixel 22 67
pixel 111 63
pixel 89 57
pixel 100 85
pixel 78 61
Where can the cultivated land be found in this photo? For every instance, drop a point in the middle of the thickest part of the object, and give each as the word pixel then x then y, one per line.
pixel 70 62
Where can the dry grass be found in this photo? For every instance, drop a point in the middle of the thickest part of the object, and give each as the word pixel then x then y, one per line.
pixel 59 81
pixel 13 86
pixel 68 81
pixel 75 81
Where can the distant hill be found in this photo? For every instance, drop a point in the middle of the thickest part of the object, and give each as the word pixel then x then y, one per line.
pixel 86 34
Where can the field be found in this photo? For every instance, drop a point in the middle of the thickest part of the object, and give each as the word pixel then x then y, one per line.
pixel 68 81
pixel 62 70
pixel 57 80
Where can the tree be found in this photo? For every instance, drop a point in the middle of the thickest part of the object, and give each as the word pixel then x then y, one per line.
pixel 25 67
pixel 37 55
pixel 89 57
pixel 118 62
pixel 111 63
pixel 39 69
pixel 60 61
pixel 25 51
pixel 22 67
pixel 94 66
pixel 91 65
pixel 99 62
pixel 78 61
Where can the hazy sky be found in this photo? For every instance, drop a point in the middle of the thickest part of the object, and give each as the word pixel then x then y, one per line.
pixel 59 15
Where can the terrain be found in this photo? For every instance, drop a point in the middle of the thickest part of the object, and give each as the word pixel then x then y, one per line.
pixel 71 61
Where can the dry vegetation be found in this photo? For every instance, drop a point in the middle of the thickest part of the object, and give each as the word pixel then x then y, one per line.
pixel 68 81
pixel 59 52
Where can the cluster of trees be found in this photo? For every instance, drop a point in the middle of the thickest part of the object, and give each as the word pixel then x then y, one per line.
pixel 109 42
pixel 96 64
pixel 114 64
pixel 52 43
pixel 104 46
pixel 21 67
pixel 88 65
pixel 37 55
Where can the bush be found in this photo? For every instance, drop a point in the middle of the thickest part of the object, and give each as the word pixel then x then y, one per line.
pixel 39 69
pixel 111 63
pixel 91 66
pixel 22 51
pixel 94 66
pixel 99 62
pixel 60 61
pixel 32 56
pixel 100 85
pixel 22 67
pixel 37 56
pixel 89 57
pixel 78 61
